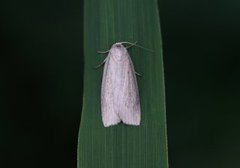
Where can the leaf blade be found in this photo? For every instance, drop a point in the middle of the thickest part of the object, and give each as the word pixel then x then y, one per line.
pixel 107 22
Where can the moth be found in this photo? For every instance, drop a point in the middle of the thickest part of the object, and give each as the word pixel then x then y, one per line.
pixel 120 100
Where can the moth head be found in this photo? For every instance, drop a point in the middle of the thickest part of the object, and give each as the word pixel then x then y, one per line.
pixel 118 51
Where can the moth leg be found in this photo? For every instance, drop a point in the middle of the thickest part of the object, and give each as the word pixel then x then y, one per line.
pixel 138 74
pixel 96 67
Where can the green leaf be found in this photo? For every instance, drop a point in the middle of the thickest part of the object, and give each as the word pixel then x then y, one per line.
pixel 122 146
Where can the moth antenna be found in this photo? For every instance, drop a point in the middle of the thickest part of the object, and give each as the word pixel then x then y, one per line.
pixel 135 44
pixel 102 52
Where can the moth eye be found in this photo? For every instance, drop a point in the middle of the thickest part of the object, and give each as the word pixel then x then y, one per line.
pixel 118 45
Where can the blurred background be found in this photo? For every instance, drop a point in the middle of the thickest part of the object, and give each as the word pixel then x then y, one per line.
pixel 41 48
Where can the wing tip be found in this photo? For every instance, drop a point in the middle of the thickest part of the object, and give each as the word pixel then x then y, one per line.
pixel 111 121
pixel 131 123
pixel 108 124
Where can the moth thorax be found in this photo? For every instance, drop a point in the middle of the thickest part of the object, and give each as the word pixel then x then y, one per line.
pixel 118 51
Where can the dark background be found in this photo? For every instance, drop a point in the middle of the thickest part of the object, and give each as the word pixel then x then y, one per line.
pixel 201 42
pixel 41 48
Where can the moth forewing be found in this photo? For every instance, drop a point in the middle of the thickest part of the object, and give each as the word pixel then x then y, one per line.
pixel 119 92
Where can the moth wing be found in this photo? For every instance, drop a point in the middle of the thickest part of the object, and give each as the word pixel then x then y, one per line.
pixel 130 112
pixel 109 115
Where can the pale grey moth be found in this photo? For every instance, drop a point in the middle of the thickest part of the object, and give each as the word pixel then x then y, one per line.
pixel 119 92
